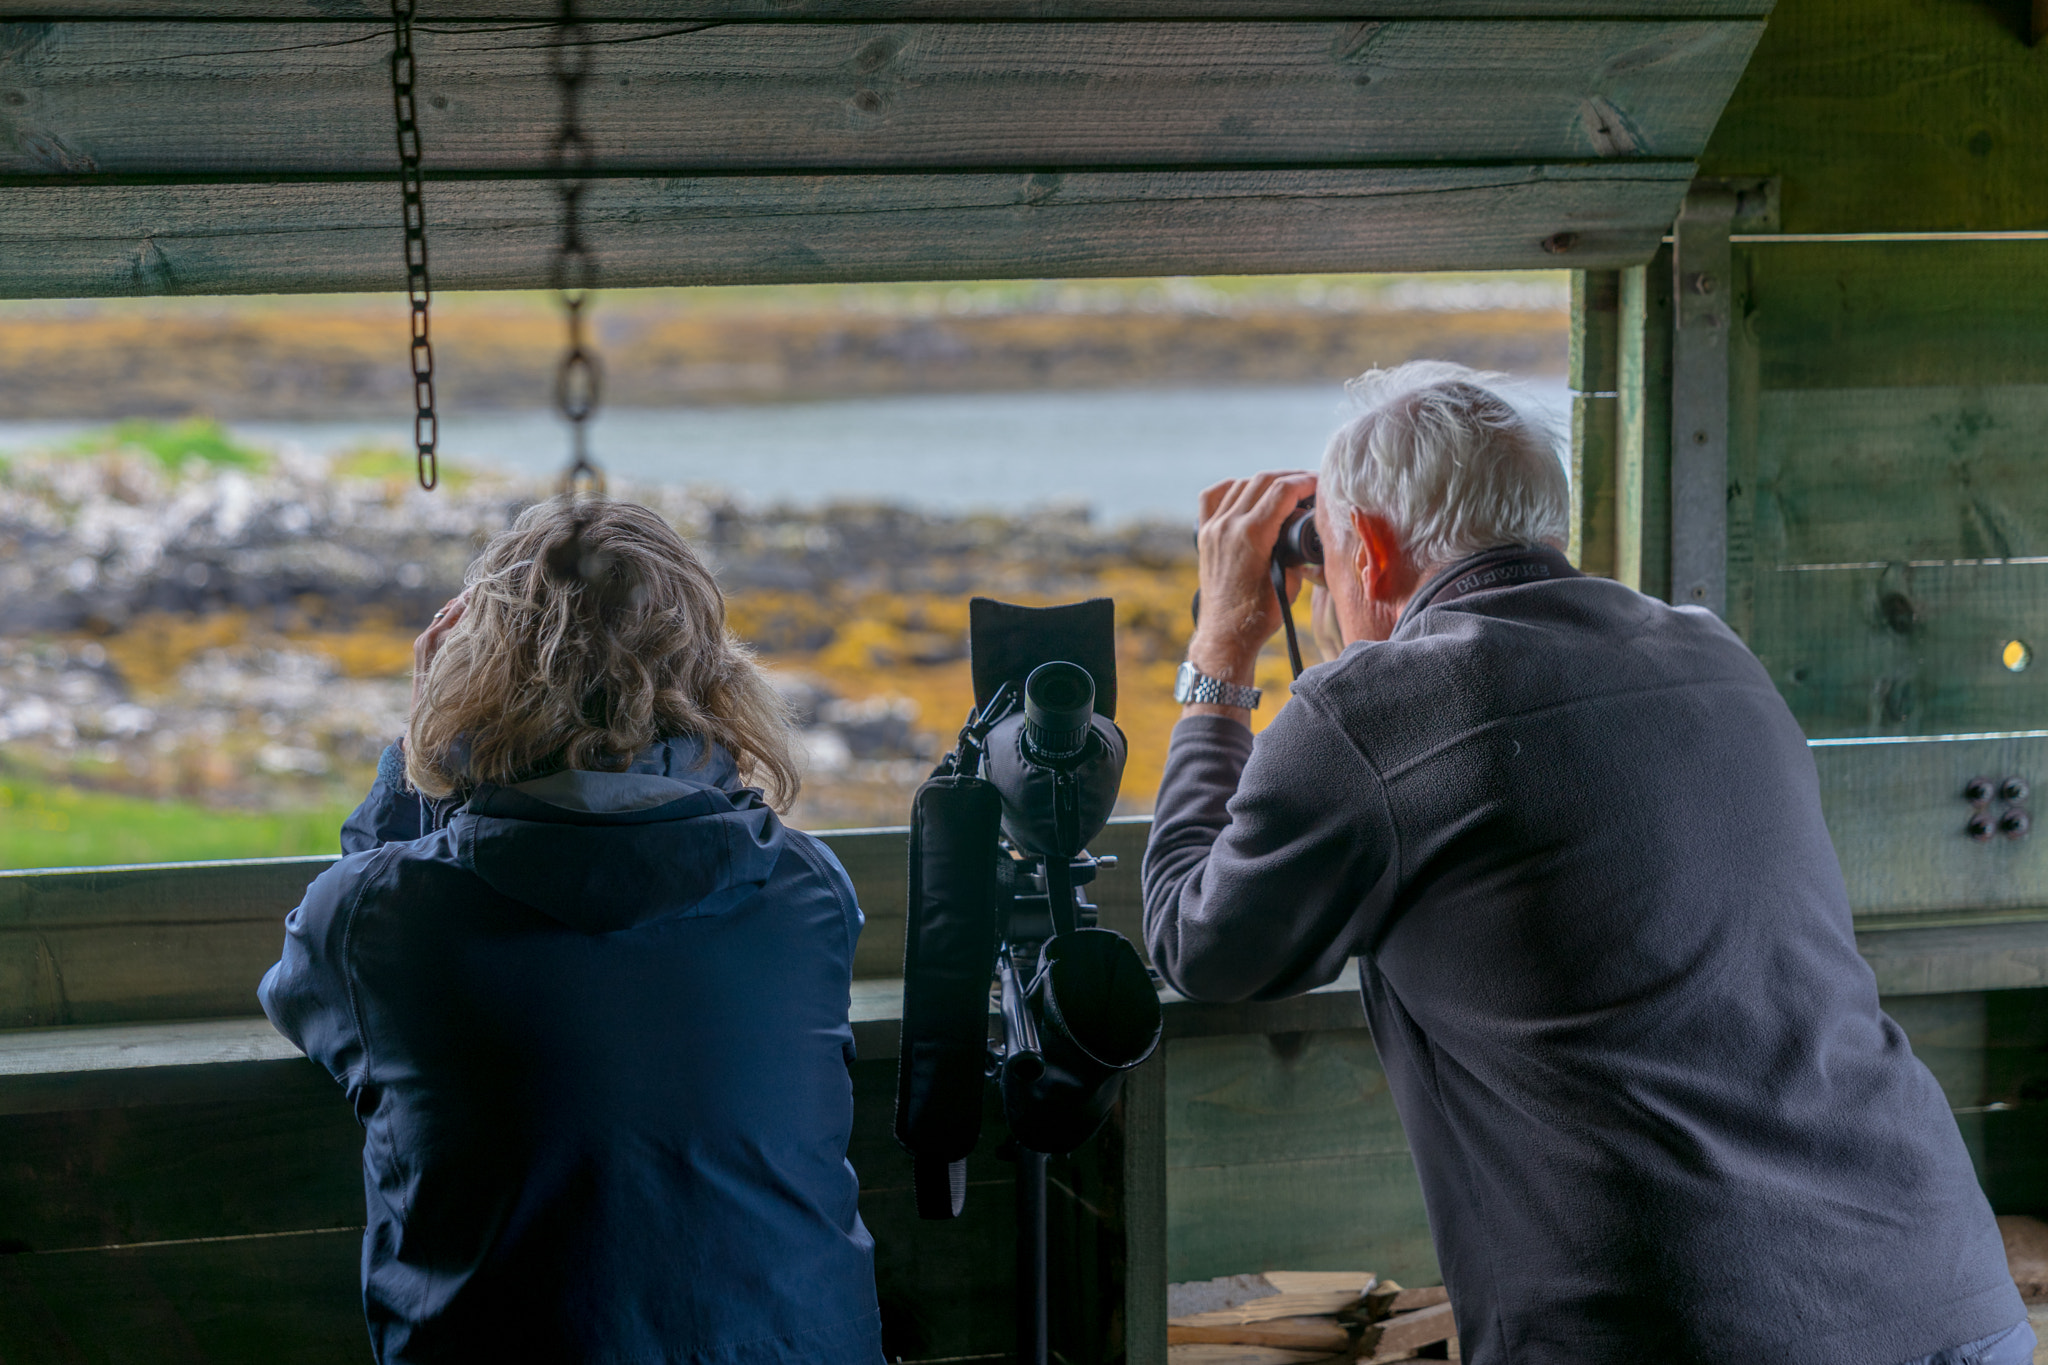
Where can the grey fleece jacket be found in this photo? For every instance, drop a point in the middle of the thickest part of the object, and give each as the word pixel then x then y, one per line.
pixel 1574 837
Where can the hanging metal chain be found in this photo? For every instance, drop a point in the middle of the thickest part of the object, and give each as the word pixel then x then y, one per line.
pixel 580 380
pixel 426 426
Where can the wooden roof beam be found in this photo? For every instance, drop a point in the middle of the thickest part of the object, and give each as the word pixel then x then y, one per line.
pixel 234 101
pixel 66 241
pixel 867 11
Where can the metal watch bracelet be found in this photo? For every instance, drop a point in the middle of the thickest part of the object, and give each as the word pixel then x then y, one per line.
pixel 1193 686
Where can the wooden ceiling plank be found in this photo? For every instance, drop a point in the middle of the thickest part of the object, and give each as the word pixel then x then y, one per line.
pixel 880 11
pixel 85 240
pixel 229 100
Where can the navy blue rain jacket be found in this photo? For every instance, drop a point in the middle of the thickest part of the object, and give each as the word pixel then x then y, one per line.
pixel 595 1028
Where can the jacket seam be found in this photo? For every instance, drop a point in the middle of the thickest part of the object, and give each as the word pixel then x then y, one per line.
pixel 840 885
pixel 348 965
pixel 1315 698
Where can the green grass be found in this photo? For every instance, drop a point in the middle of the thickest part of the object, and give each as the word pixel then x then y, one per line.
pixel 173 444
pixel 381 463
pixel 47 825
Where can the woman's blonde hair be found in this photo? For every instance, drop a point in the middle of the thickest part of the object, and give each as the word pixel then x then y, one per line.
pixel 592 631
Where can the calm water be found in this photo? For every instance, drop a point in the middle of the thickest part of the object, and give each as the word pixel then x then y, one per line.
pixel 1122 454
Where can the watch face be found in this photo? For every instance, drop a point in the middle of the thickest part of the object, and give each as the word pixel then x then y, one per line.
pixel 1184 682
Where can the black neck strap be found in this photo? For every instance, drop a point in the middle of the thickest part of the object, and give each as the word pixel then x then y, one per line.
pixel 1504 568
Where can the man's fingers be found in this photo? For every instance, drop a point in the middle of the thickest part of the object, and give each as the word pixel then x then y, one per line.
pixel 1212 498
pixel 1276 501
pixel 1247 496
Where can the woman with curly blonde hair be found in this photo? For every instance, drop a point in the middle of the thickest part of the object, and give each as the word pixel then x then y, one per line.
pixel 586 991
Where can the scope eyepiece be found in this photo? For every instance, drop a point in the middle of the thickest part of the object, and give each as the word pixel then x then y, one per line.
pixel 1059 706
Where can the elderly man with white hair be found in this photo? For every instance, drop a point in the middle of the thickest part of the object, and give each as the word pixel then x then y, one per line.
pixel 1573 837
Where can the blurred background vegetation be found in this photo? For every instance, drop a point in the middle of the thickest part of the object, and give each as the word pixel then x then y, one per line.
pixel 205 636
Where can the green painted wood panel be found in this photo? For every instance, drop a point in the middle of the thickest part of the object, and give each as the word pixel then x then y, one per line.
pixel 1867 315
pixel 1897 650
pixel 1989 1051
pixel 79 241
pixel 191 940
pixel 1595 376
pixel 1982 953
pixel 1894 115
pixel 1897 815
pixel 1643 428
pixel 256 99
pixel 178 942
pixel 1902 474
pixel 1889 404
pixel 285 1298
pixel 1594 365
pixel 281 1154
pixel 670 11
pixel 1283 1152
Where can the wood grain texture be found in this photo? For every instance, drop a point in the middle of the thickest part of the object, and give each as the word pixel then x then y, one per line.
pixel 2000 956
pixel 174 942
pixel 1141 1120
pixel 1284 1151
pixel 282 1155
pixel 875 11
pixel 1867 315
pixel 256 99
pixel 1919 485
pixel 1904 651
pixel 131 1047
pixel 286 1298
pixel 1893 115
pixel 1594 364
pixel 1897 814
pixel 192 940
pixel 1643 428
pixel 1594 467
pixel 80 241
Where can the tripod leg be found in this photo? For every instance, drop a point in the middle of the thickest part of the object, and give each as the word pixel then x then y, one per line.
pixel 1032 1346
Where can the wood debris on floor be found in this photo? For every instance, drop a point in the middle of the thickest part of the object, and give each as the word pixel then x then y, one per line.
pixel 1295 1317
pixel 2026 1254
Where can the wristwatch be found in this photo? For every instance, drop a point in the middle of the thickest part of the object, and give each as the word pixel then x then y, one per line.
pixel 1191 685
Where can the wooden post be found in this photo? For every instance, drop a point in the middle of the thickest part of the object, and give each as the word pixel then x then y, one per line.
pixel 1143 1115
pixel 1643 428
pixel 1702 308
pixel 1594 378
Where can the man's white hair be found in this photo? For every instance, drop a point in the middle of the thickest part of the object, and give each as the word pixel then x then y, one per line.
pixel 1453 458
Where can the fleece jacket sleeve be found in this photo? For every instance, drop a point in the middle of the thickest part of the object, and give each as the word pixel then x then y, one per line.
pixel 1269 858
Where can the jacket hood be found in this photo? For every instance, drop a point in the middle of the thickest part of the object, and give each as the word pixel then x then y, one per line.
pixel 673 835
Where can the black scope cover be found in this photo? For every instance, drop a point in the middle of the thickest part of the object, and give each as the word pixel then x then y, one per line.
pixel 1098 1016
pixel 1005 642
pixel 949 949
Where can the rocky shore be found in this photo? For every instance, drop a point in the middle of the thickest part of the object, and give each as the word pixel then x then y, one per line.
pixel 236 631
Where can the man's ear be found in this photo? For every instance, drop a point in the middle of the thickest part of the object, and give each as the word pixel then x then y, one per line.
pixel 1383 567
